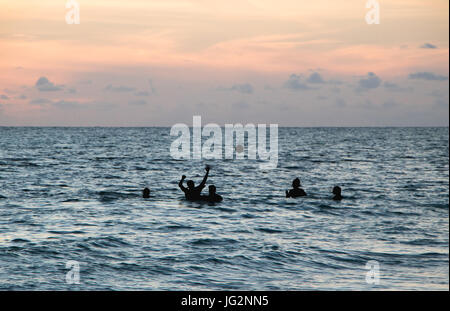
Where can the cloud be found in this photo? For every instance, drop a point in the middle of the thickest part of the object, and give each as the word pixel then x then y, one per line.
pixel 441 97
pixel 137 102
pixel 57 103
pixel 340 102
pixel 335 90
pixel 245 88
pixel 142 93
pixel 294 83
pixel 101 105
pixel 441 103
pixel 66 104
pixel 268 88
pixel 393 87
pixel 8 91
pixel 315 78
pixel 440 93
pixel 372 81
pixel 368 104
pixel 390 104
pixel 4 97
pixel 119 89
pixel 22 97
pixel 44 85
pixel 427 76
pixel 241 105
pixel 152 88
pixel 40 101
pixel 335 82
pixel 390 85
pixel 428 46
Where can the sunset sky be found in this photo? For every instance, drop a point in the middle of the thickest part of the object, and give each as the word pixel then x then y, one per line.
pixel 159 62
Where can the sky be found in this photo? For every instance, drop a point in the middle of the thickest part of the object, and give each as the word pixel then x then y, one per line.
pixel 286 62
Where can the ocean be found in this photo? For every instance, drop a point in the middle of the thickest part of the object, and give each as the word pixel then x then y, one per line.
pixel 75 195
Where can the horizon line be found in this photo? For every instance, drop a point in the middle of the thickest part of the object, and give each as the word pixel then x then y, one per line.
pixel 166 126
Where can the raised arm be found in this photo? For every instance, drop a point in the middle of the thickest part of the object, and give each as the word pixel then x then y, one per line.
pixel 203 183
pixel 180 184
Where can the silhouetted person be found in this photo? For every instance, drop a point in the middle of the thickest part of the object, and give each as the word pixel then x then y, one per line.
pixel 337 193
pixel 192 193
pixel 212 196
pixel 296 191
pixel 146 193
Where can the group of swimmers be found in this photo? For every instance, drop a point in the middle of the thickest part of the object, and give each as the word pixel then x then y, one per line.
pixel 193 193
pixel 296 191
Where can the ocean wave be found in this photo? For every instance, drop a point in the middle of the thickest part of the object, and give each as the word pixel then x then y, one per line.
pixel 106 242
pixel 213 242
pixel 269 230
pixel 108 196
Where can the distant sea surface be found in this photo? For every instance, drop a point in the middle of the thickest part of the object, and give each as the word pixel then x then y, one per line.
pixel 74 194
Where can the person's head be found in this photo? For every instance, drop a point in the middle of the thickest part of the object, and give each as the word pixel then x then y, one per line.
pixel 146 193
pixel 212 189
pixel 190 184
pixel 337 190
pixel 296 183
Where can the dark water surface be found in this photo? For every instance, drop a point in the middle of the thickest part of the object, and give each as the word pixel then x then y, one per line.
pixel 74 194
